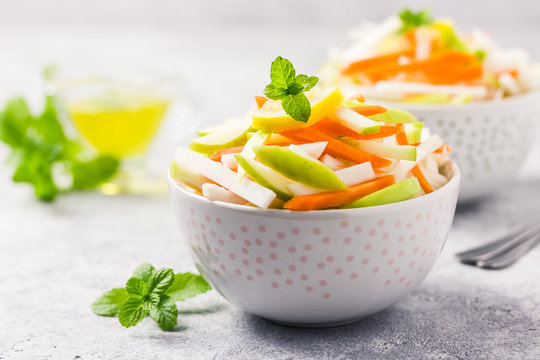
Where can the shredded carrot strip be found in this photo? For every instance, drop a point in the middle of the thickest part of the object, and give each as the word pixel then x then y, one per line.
pixel 401 137
pixel 358 97
pixel 443 149
pixel 364 64
pixel 218 154
pixel 260 100
pixel 422 179
pixel 369 110
pixel 330 199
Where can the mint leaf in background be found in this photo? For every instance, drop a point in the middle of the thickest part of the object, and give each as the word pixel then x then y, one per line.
pixel 307 82
pixel 109 304
pixel 187 285
pixel 282 73
pixel 411 19
pixel 165 314
pixel 144 271
pixel 274 93
pixel 89 174
pixel 297 106
pixel 136 286
pixel 160 281
pixel 39 146
pixel 132 312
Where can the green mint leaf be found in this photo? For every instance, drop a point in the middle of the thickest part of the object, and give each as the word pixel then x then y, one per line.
pixel 14 121
pixel 307 82
pixel 165 314
pixel 282 73
pixel 132 312
pixel 480 55
pixel 144 271
pixel 109 304
pixel 274 93
pixel 187 285
pixel 160 281
pixel 89 174
pixel 136 286
pixel 151 301
pixel 411 19
pixel 295 89
pixel 297 106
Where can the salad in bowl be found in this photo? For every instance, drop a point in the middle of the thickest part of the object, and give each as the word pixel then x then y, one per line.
pixel 314 210
pixel 343 154
pixel 416 58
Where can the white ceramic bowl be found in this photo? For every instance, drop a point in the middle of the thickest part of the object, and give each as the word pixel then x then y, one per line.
pixel 315 268
pixel 490 140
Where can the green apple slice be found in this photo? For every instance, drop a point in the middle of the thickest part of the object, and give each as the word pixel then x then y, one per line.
pixel 394 116
pixel 265 176
pixel 354 121
pixel 229 135
pixel 218 193
pixel 414 132
pixel 187 175
pixel 400 191
pixel 392 151
pixel 422 151
pixel 299 168
pixel 259 138
pixel 211 129
pixel 215 171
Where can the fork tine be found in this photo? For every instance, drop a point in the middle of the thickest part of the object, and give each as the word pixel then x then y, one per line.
pixel 493 250
pixel 510 257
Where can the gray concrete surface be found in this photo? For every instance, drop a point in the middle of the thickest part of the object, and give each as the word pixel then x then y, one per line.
pixel 56 259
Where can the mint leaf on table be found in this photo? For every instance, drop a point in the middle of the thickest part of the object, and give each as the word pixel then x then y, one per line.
pixel 109 304
pixel 132 312
pixel 165 314
pixel 289 88
pixel 411 19
pixel 150 292
pixel 187 285
pixel 39 146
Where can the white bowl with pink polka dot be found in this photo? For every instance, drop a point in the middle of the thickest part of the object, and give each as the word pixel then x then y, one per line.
pixel 490 140
pixel 315 268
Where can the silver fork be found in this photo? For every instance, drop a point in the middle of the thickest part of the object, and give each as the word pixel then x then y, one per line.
pixel 503 252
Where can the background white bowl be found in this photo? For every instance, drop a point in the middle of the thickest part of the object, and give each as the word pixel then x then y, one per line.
pixel 491 140
pixel 316 268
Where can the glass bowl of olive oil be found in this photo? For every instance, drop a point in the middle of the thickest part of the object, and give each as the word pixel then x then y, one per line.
pixel 119 117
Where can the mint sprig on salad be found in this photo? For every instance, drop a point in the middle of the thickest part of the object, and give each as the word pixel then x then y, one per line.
pixel 288 87
pixel 411 19
pixel 150 292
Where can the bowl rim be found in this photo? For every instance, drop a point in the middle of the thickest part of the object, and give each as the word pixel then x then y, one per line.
pixel 533 94
pixel 309 214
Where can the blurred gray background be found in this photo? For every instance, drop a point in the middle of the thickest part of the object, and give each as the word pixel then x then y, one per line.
pixel 221 50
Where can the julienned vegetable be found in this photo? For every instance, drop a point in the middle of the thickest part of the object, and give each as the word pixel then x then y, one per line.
pixel 346 154
pixel 415 58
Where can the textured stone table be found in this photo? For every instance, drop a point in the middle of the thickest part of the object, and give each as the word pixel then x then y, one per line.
pixel 56 259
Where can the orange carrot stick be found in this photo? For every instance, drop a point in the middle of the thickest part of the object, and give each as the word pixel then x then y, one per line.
pixel 336 148
pixel 369 110
pixel 365 64
pixel 401 137
pixel 260 100
pixel 335 129
pixel 424 184
pixel 330 199
pixel 232 150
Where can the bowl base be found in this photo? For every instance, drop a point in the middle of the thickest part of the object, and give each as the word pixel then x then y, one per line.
pixel 314 325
